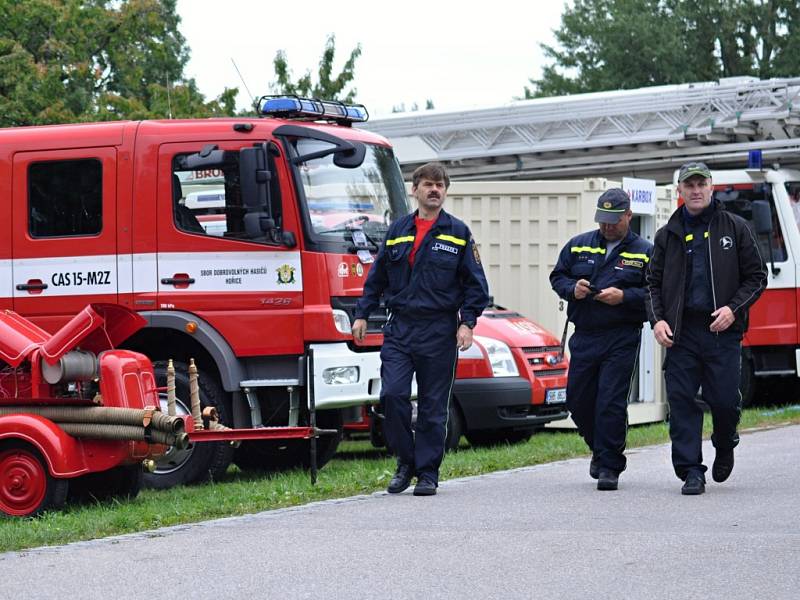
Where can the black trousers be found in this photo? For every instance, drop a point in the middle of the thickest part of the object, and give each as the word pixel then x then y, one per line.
pixel 713 361
pixel 427 347
pixel 601 368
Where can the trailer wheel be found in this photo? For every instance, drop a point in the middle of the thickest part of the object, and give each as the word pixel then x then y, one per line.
pixel 283 455
pixel 26 486
pixel 120 482
pixel 199 462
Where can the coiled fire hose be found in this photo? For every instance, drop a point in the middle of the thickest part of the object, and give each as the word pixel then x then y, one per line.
pixel 102 415
pixel 125 432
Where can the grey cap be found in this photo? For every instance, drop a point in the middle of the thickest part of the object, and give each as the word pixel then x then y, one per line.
pixel 611 205
pixel 691 169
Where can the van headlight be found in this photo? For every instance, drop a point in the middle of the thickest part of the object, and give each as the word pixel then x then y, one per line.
pixel 341 321
pixel 500 357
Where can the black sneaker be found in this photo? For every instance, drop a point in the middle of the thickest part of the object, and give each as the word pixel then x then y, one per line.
pixel 594 468
pixel 425 487
pixel 723 465
pixel 694 485
pixel 401 479
pixel 607 479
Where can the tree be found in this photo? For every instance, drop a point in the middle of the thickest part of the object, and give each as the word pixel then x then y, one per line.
pixel 326 88
pixel 85 60
pixel 625 44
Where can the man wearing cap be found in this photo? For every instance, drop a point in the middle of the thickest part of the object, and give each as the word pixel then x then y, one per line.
pixel 705 274
pixel 601 275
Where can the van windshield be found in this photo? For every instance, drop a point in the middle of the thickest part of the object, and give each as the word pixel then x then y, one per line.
pixel 339 201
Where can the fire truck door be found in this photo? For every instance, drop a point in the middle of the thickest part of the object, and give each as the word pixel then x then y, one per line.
pixel 250 289
pixel 64 232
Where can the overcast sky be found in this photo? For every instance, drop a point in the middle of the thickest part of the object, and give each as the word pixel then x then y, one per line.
pixel 460 54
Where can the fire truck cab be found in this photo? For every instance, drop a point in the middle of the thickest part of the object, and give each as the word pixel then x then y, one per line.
pixel 258 284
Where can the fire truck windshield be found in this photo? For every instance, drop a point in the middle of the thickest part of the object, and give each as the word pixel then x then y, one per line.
pixel 339 200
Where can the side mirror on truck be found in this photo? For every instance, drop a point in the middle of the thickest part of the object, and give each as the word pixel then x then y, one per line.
pixel 762 217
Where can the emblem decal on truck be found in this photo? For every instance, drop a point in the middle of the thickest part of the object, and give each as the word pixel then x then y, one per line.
pixel 285 274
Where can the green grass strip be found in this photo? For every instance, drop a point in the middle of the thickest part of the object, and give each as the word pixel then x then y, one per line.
pixel 357 469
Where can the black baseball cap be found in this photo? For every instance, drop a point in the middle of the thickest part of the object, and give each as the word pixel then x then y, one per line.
pixel 691 169
pixel 611 205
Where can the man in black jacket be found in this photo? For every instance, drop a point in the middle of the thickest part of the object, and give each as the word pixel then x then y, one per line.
pixel 705 274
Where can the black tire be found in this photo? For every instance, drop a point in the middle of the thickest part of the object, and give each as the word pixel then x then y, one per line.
pixel 493 437
pixel 455 426
pixel 747 381
pixel 284 455
pixel 199 462
pixel 120 482
pixel 26 487
pixel 376 437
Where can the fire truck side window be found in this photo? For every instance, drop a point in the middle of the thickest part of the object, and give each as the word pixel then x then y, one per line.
pixel 209 201
pixel 65 198
pixel 739 201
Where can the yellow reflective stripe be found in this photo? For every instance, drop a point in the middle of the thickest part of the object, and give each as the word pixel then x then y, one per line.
pixel 400 240
pixel 643 257
pixel 689 237
pixel 705 235
pixel 450 238
pixel 588 249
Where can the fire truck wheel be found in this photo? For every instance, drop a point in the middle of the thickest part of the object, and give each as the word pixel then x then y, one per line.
pixel 26 486
pixel 493 437
pixel 282 455
pixel 120 482
pixel 198 462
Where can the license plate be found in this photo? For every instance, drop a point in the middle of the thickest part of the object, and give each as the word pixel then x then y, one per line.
pixel 556 396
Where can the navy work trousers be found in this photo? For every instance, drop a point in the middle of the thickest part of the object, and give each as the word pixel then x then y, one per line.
pixel 427 347
pixel 601 368
pixel 713 361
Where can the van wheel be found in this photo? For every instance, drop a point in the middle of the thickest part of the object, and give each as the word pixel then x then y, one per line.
pixel 493 437
pixel 455 426
pixel 200 461
pixel 26 487
pixel 283 455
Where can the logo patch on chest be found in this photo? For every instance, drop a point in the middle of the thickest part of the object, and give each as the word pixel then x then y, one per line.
pixel 440 246
pixel 627 262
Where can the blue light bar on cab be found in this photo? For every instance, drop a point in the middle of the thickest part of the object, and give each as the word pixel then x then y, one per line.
pixel 754 159
pixel 294 107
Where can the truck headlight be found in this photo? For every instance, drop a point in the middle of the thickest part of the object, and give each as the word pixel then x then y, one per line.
pixel 500 357
pixel 341 321
pixel 340 375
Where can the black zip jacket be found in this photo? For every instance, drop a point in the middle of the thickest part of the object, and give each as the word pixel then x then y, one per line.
pixel 738 273
pixel 447 276
pixel 584 257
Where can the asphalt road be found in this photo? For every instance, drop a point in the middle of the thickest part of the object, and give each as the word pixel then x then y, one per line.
pixel 540 532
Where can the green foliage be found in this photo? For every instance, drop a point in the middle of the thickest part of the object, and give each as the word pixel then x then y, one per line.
pixel 626 44
pixel 326 87
pixel 86 60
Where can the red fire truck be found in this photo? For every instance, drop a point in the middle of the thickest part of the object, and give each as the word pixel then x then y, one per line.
pixel 262 300
pixel 768 199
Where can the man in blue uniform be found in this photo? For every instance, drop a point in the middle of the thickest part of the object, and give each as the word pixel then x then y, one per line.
pixel 601 274
pixel 705 274
pixel 430 274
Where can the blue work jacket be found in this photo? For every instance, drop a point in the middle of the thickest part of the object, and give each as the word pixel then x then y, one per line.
pixel 584 257
pixel 447 276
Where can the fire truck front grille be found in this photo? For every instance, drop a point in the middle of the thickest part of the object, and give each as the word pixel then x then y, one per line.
pixel 540 349
pixel 549 372
pixel 376 320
